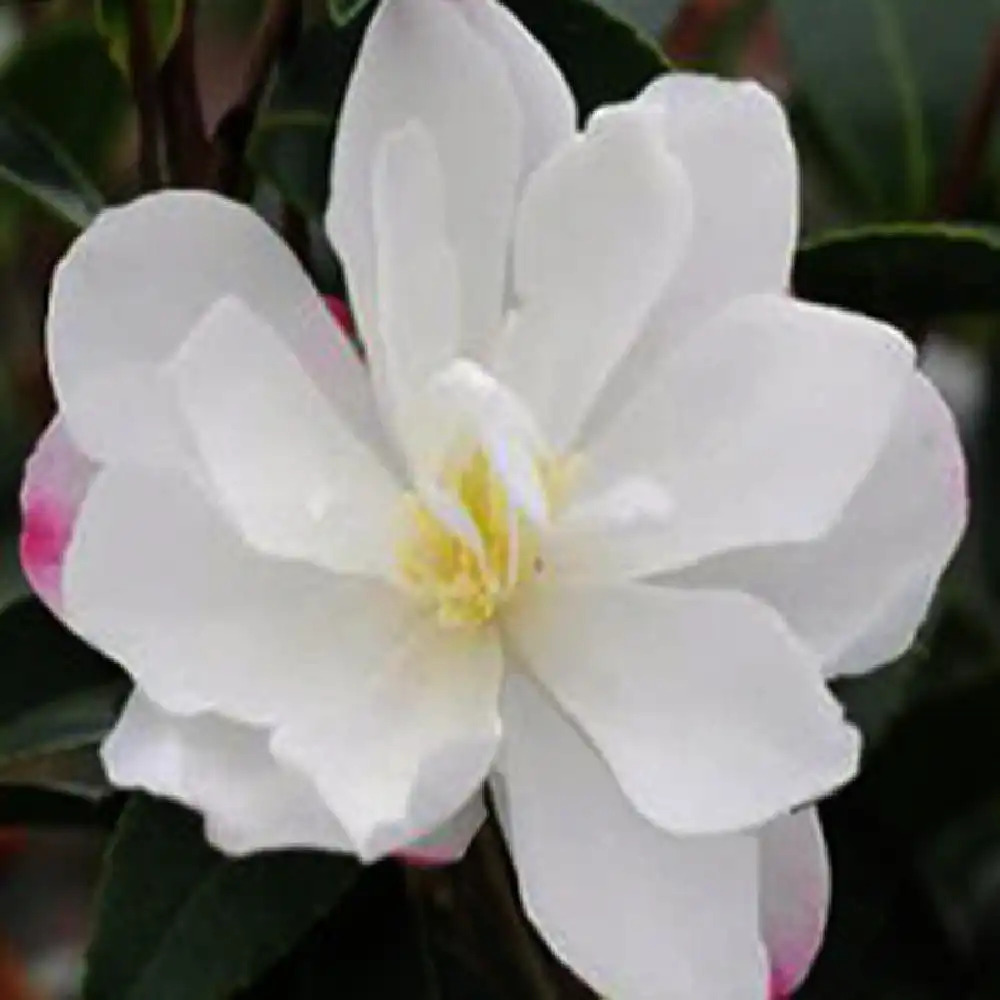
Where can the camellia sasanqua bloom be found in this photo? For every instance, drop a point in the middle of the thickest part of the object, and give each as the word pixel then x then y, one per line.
pixel 594 523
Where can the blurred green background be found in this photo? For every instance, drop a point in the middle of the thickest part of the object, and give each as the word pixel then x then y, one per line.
pixel 896 109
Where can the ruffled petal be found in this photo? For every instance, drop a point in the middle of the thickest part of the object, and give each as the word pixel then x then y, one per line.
pixel 223 770
pixel 709 712
pixel 131 289
pixel 760 427
pixel 292 475
pixel 635 912
pixel 858 594
pixel 599 230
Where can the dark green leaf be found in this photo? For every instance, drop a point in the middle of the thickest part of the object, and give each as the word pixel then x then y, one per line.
pixel 29 805
pixel 372 947
pixel 342 11
pixel 33 163
pixel 63 80
pixel 291 143
pixel 882 940
pixel 112 20
pixel 652 16
pixel 888 83
pixel 56 693
pixel 178 919
pixel 904 273
pixel 603 58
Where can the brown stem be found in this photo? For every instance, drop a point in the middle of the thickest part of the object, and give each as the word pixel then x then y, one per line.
pixel 142 70
pixel 280 24
pixel 538 975
pixel 188 148
pixel 972 148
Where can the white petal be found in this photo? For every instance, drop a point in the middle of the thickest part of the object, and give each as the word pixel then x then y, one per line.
pixel 548 110
pixel 858 594
pixel 733 140
pixel 157 578
pixel 419 327
pixel 393 718
pixel 464 408
pixel 449 843
pixel 288 470
pixel 131 289
pixel 56 479
pixel 760 426
pixel 635 912
pixel 599 230
pixel 422 60
pixel 795 895
pixel 404 745
pixel 603 536
pixel 225 771
pixel 712 716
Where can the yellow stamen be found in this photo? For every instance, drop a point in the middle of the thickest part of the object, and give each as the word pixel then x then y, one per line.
pixel 463 583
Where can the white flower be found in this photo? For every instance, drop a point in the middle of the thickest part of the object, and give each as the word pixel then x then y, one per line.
pixel 609 509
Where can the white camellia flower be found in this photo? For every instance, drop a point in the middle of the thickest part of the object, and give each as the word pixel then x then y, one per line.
pixel 602 514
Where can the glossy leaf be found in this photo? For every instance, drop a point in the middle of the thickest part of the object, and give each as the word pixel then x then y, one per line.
pixel 63 79
pixel 112 20
pixel 32 163
pixel 343 11
pixel 603 58
pixel 904 273
pixel 178 919
pixel 888 84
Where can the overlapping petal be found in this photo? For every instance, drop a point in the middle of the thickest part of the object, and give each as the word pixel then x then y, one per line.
pixel 290 473
pixel 634 911
pixel 600 228
pixel 419 321
pixel 133 286
pixel 225 771
pixel 760 427
pixel 394 724
pixel 709 712
pixel 858 594
pixel 423 61
pixel 733 141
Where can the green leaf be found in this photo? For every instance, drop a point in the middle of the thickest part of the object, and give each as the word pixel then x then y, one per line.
pixel 290 145
pixel 343 11
pixel 64 81
pixel 904 273
pixel 380 943
pixel 887 84
pixel 29 805
pixel 178 919
pixel 112 20
pixel 56 693
pixel 372 947
pixel 603 58
pixel 652 16
pixel 33 163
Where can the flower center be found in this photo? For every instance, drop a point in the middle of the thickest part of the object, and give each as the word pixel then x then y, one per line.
pixel 465 554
